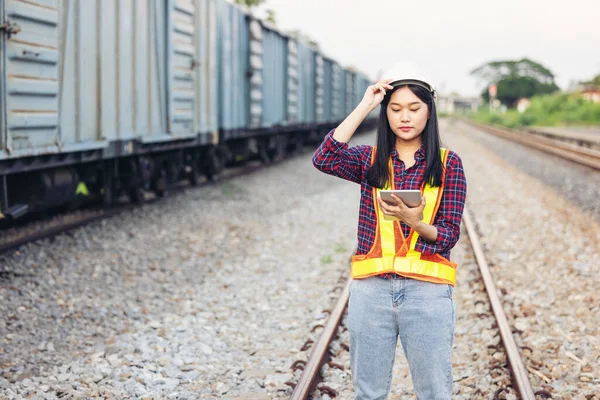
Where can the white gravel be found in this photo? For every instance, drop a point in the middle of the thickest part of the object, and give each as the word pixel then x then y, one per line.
pixel 208 294
pixel 545 253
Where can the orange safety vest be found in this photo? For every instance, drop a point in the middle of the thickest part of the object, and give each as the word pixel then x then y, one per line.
pixel 393 253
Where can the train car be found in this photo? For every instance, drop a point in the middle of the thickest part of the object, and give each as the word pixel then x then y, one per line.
pixel 340 106
pixel 330 90
pixel 277 80
pixel 350 76
pixel 361 83
pixel 103 100
pixel 306 85
pixel 274 80
pixel 122 97
pixel 234 70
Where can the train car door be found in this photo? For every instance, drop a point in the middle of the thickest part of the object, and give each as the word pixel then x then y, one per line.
pixel 2 89
pixel 3 182
pixel 255 72
pixel 182 63
pixel 206 113
pixel 29 39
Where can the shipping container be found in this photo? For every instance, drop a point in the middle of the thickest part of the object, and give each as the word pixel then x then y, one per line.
pixel 275 81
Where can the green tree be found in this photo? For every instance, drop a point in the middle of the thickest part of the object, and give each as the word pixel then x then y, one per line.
pixel 250 3
pixel 595 81
pixel 271 17
pixel 515 79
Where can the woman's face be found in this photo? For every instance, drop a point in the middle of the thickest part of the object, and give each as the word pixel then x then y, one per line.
pixel 407 115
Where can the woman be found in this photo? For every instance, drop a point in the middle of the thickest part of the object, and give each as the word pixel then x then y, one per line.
pixel 402 274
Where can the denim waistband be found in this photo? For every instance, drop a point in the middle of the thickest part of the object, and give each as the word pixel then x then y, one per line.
pixel 390 276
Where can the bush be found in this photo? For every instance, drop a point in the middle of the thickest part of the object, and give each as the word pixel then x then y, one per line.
pixel 547 110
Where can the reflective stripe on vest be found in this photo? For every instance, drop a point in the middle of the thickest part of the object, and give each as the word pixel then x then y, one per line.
pixel 393 253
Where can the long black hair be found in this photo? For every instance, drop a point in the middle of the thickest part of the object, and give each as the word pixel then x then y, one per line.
pixel 378 175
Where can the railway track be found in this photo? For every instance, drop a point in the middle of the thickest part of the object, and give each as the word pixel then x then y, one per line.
pixel 311 370
pixel 579 154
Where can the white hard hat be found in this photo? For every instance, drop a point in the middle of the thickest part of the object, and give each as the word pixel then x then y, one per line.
pixel 407 73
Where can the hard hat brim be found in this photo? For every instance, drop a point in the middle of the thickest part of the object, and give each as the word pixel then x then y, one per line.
pixel 401 82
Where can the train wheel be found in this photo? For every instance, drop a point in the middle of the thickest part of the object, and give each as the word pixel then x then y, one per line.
pixel 263 152
pixel 213 165
pixel 136 195
pixel 278 151
pixel 194 175
pixel 159 184
pixel 294 146
pixel 107 187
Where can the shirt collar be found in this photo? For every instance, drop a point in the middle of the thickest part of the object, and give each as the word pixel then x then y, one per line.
pixel 419 154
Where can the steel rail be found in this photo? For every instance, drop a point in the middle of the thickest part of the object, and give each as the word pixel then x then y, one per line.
pixel 564 134
pixel 309 377
pixel 578 154
pixel 519 373
pixel 308 380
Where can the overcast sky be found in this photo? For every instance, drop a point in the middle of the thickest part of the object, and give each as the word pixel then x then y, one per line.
pixel 449 38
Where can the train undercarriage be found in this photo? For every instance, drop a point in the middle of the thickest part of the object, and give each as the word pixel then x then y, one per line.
pixel 40 183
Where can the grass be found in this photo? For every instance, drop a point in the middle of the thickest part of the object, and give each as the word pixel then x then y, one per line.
pixel 339 248
pixel 326 259
pixel 560 109
pixel 229 189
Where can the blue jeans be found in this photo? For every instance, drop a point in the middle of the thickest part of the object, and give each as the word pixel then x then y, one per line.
pixel 421 314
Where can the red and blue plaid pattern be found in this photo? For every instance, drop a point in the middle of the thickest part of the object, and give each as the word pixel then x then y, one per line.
pixel 352 163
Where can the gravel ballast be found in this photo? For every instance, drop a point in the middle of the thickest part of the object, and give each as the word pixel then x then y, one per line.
pixel 211 293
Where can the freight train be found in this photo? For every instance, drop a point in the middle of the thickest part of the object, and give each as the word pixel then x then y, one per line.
pixel 107 98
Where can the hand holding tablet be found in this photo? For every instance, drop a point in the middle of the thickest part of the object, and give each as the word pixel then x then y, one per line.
pixel 412 198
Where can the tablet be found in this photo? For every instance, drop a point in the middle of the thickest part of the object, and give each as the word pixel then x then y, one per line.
pixel 412 198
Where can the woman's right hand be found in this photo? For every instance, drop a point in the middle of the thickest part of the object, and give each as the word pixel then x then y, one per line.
pixel 375 93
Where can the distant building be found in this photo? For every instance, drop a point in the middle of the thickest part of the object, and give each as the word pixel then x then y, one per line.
pixel 523 104
pixel 591 93
pixel 587 90
pixel 451 104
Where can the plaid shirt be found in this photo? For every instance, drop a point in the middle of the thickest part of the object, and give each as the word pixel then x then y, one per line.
pixel 352 163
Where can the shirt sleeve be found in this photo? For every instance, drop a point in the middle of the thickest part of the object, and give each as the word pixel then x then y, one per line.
pixel 338 159
pixel 449 216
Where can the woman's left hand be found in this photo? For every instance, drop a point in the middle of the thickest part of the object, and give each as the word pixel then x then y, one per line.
pixel 409 215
